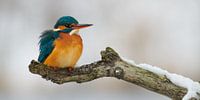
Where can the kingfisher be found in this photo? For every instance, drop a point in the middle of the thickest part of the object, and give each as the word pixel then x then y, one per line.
pixel 62 46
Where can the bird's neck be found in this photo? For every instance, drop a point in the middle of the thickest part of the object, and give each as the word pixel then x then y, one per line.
pixel 64 35
pixel 69 31
pixel 68 39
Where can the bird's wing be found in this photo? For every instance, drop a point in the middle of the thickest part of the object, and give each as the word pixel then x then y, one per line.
pixel 46 44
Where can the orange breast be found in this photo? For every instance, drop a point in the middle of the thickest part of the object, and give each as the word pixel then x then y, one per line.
pixel 67 51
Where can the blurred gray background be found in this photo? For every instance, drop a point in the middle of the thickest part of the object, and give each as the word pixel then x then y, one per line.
pixel 163 33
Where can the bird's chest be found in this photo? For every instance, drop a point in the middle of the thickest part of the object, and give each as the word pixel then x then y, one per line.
pixel 68 49
pixel 66 41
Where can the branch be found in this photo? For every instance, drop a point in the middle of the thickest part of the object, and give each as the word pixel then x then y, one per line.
pixel 111 65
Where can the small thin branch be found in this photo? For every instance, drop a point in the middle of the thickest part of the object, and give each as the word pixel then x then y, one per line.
pixel 111 65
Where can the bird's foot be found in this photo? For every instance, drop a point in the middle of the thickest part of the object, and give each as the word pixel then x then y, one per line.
pixel 70 69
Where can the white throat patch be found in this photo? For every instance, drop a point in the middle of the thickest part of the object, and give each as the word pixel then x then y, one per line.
pixel 75 31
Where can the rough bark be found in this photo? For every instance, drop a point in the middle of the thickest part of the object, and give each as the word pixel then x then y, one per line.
pixel 110 65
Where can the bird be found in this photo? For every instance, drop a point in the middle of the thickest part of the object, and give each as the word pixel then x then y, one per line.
pixel 61 47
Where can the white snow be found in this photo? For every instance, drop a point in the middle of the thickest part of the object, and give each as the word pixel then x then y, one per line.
pixel 154 69
pixel 192 86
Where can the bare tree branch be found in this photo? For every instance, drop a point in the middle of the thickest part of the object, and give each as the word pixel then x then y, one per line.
pixel 111 65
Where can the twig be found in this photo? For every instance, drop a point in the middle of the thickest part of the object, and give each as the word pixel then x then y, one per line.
pixel 111 65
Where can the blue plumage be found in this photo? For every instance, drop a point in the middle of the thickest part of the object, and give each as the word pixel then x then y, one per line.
pixel 65 20
pixel 46 44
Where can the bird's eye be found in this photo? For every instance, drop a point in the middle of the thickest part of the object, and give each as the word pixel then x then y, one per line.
pixel 72 25
pixel 67 25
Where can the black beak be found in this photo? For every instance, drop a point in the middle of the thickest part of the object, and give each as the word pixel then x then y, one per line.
pixel 80 26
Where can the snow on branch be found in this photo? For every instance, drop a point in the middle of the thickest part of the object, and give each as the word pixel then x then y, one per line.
pixel 192 86
pixel 111 64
